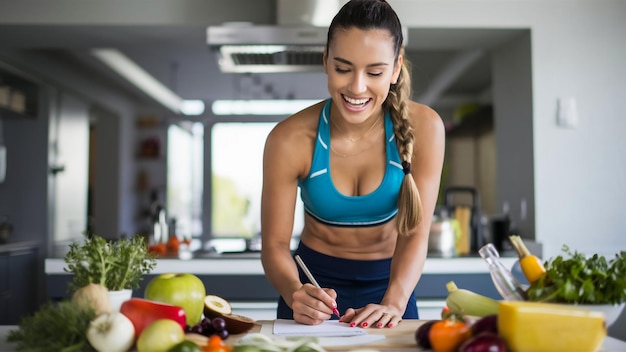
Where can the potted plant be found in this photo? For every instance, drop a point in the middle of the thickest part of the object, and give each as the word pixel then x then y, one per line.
pixel 118 265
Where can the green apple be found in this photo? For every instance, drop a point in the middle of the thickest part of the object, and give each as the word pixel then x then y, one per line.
pixel 160 336
pixel 183 290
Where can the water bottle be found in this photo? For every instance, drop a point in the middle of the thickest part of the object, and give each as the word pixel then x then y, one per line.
pixel 508 287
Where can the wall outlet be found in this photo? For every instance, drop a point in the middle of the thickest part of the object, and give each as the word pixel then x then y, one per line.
pixel 567 114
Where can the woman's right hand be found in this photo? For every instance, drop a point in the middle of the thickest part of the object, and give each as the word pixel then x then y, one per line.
pixel 312 305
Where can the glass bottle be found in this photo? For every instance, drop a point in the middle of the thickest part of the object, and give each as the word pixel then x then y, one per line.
pixel 508 287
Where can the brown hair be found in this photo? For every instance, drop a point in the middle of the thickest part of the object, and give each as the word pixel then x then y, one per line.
pixel 378 14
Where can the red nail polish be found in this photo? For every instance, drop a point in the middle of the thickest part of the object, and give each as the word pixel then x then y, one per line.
pixel 390 325
pixel 380 325
pixel 353 324
pixel 364 324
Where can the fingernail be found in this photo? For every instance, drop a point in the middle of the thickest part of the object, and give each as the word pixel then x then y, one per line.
pixel 353 324
pixel 364 324
pixel 390 325
pixel 380 325
pixel 334 304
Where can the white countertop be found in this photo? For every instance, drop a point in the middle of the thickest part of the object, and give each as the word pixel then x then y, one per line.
pixel 609 344
pixel 241 265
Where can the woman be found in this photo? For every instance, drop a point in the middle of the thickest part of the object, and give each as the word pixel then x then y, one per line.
pixel 368 163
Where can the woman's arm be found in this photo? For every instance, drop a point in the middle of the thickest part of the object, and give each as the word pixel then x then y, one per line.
pixel 287 156
pixel 280 182
pixel 410 253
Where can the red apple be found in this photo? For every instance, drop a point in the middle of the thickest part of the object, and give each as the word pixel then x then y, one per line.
pixel 183 290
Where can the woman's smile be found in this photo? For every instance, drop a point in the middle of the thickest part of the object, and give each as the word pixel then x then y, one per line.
pixel 355 105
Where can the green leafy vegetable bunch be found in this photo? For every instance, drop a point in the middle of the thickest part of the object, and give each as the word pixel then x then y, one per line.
pixel 116 265
pixel 55 327
pixel 579 279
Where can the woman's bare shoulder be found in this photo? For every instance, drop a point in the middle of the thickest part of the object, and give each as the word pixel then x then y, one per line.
pixel 292 141
pixel 297 127
pixel 425 119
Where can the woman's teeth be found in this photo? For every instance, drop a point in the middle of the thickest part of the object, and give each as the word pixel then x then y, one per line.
pixel 356 101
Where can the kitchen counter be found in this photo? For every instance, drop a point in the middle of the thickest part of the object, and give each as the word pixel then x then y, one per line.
pixel 400 338
pixel 18 246
pixel 250 264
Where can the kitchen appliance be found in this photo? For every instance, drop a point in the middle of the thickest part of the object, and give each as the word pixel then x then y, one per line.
pixel 469 216
pixel 295 44
pixel 444 233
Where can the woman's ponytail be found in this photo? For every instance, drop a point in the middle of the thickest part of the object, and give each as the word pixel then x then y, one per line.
pixel 409 202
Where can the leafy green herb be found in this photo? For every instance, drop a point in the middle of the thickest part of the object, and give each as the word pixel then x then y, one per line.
pixel 116 265
pixel 582 280
pixel 54 327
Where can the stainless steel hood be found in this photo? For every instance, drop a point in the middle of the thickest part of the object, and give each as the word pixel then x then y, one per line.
pixel 266 49
pixel 295 44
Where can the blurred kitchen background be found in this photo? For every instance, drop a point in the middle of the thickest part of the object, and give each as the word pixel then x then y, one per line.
pixel 533 106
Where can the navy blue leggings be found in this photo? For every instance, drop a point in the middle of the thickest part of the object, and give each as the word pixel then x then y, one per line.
pixel 357 282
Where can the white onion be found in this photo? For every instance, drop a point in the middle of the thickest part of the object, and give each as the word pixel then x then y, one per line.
pixel 111 332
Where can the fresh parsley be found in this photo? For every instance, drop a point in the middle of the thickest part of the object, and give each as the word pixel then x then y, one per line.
pixel 116 265
pixel 582 280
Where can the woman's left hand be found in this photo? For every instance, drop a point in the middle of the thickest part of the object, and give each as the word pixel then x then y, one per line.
pixel 373 315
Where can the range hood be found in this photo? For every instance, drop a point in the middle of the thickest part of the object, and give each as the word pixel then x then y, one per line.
pixel 295 44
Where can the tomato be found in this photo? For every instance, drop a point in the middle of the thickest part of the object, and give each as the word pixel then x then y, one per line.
pixel 159 248
pixel 448 334
pixel 173 244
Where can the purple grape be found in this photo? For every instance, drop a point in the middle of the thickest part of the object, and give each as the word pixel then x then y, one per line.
pixel 223 334
pixel 219 324
pixel 206 324
pixel 208 331
pixel 197 329
pixel 187 328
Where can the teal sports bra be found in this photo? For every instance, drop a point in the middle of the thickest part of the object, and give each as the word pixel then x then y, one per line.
pixel 329 206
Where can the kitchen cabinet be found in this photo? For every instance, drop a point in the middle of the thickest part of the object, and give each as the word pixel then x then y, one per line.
pixel 18 282
pixel 19 96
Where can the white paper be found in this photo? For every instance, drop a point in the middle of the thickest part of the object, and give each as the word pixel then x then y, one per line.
pixel 329 341
pixel 284 327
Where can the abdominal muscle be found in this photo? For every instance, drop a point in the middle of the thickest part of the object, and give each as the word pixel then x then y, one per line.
pixel 362 243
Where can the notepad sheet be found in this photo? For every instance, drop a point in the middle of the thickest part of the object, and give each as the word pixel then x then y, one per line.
pixel 284 327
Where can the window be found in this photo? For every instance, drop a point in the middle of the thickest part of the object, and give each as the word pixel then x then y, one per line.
pixel 236 179
pixel 185 179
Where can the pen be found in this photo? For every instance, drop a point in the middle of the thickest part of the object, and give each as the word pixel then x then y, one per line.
pixel 312 279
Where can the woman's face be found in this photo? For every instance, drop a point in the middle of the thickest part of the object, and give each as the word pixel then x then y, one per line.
pixel 360 68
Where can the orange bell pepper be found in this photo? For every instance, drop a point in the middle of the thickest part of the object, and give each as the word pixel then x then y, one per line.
pixel 448 334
